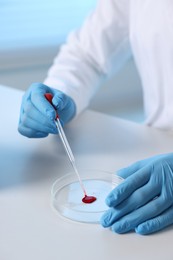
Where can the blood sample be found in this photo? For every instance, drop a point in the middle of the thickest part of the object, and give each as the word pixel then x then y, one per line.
pixel 88 199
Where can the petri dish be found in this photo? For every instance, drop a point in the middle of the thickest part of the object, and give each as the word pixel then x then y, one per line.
pixel 67 194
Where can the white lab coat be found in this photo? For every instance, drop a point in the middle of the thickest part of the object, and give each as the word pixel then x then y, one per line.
pixel 116 30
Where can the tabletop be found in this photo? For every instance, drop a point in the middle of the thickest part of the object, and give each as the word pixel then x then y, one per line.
pixel 29 228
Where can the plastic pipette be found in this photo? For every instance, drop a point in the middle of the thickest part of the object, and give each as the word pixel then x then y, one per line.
pixel 86 199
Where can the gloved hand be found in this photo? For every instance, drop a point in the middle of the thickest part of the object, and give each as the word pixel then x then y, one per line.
pixel 37 114
pixel 144 200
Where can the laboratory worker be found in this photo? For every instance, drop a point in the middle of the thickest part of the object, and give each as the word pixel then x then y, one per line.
pixel 114 32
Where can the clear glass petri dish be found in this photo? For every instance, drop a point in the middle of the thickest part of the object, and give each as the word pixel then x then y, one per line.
pixel 67 194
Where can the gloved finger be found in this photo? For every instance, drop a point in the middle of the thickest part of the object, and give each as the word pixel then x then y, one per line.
pixel 60 100
pixel 29 110
pixel 138 198
pixel 30 132
pixel 131 221
pixel 37 126
pixel 157 223
pixel 41 103
pixel 128 171
pixel 65 105
pixel 128 186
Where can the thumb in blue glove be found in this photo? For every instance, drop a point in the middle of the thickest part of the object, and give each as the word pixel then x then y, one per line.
pixel 144 201
pixel 37 114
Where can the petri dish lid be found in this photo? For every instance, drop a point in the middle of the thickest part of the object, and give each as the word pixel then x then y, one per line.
pixel 67 194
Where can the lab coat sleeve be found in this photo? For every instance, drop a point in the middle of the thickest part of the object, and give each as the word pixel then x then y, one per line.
pixel 93 53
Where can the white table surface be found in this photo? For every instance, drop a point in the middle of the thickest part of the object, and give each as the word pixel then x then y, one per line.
pixel 29 228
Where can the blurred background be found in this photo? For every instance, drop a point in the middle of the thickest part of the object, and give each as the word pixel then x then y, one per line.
pixel 32 32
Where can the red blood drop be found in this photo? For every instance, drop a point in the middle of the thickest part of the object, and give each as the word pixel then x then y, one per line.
pixel 88 199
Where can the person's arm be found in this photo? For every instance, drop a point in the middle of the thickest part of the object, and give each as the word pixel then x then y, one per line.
pixel 92 53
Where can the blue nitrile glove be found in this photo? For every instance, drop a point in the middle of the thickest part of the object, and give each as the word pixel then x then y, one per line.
pixel 37 114
pixel 144 200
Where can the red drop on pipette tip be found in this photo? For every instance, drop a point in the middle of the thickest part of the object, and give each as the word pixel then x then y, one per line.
pixel 89 199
